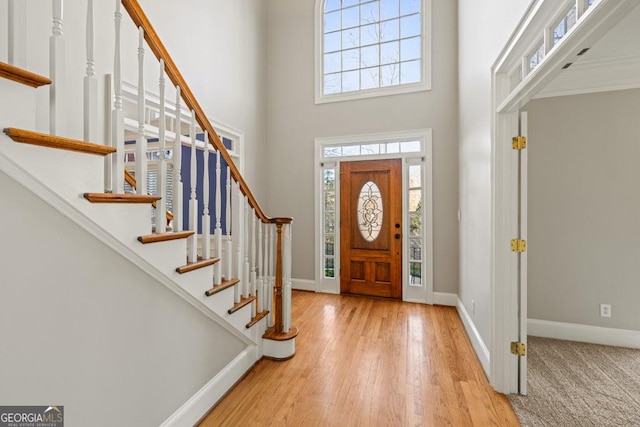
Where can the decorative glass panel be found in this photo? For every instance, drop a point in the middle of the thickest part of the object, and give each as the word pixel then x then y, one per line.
pixel 329 242
pixel 415 273
pixel 370 211
pixel 415 178
pixel 329 267
pixel 415 225
pixel 415 200
pixel 329 179
pixel 330 201
pixel 329 223
pixel 410 146
pixel 415 249
pixel 367 149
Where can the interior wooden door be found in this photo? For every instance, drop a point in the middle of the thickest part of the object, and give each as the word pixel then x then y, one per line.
pixel 371 228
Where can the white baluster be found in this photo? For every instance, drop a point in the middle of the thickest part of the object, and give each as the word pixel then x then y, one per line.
pixel 229 244
pixel 192 241
pixel 206 219
pixel 108 91
pixel 177 167
pixel 141 143
pixel 218 268
pixel 286 283
pixel 240 238
pixel 57 74
pixel 17 27
pixel 161 183
pixel 253 254
pixel 260 281
pixel 245 248
pixel 90 83
pixel 117 117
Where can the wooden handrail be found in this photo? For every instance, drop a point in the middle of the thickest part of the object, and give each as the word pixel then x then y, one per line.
pixel 157 47
pixel 131 180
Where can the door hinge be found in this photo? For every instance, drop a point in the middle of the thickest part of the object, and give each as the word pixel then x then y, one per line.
pixel 518 245
pixel 519 348
pixel 519 142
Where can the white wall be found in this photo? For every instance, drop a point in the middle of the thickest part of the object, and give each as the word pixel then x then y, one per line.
pixel 106 341
pixel 218 46
pixel 294 120
pixel 483 29
pixel 584 207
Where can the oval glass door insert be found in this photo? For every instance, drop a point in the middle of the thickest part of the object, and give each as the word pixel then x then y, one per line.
pixel 370 211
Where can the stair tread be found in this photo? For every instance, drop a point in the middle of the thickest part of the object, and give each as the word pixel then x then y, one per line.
pixel 201 263
pixel 163 237
pixel 258 317
pixel 22 76
pixel 243 302
pixel 224 285
pixel 119 198
pixel 50 141
pixel 271 334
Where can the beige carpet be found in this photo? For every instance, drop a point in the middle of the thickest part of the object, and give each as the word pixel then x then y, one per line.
pixel 577 384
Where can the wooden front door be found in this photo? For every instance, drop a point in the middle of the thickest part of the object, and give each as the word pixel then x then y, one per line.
pixel 371 228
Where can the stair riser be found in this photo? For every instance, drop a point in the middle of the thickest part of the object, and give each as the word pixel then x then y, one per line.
pixel 164 255
pixel 21 111
pixel 68 173
pixel 201 277
pixel 240 318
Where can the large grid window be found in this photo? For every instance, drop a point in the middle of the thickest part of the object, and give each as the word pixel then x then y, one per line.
pixel 368 45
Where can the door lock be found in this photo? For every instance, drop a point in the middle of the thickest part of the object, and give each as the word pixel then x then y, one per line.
pixel 397 235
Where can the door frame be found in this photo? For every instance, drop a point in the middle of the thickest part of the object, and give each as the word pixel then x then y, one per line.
pixel 419 294
pixel 512 87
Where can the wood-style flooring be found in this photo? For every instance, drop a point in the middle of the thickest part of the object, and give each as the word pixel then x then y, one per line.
pixel 368 362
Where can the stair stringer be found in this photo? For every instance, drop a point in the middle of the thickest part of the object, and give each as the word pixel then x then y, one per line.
pixel 34 185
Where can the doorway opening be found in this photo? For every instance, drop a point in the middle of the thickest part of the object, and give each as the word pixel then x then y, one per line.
pixel 411 269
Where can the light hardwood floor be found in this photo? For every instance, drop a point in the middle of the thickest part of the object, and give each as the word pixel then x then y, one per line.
pixel 368 362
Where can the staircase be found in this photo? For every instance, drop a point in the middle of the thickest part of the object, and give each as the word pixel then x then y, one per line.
pixel 241 281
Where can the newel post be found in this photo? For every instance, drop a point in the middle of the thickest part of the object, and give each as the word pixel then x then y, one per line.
pixel 278 281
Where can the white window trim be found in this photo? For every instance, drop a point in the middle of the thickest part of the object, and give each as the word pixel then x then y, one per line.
pixel 420 294
pixel 424 85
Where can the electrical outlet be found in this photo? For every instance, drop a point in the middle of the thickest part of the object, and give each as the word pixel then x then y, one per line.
pixel 605 310
pixel 473 307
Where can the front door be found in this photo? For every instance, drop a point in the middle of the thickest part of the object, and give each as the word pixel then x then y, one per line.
pixel 371 228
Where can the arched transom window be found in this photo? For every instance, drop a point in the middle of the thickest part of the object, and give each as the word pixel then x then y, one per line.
pixel 372 47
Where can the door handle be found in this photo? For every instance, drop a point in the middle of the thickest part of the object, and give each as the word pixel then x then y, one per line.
pixel 397 236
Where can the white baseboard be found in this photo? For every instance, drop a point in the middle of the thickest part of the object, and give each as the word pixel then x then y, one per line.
pixel 584 333
pixel 198 405
pixel 443 298
pixel 476 340
pixel 303 285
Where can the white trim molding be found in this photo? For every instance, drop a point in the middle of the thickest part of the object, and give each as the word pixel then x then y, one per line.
pixel 200 403
pixel 584 333
pixel 303 285
pixel 444 298
pixel 481 349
